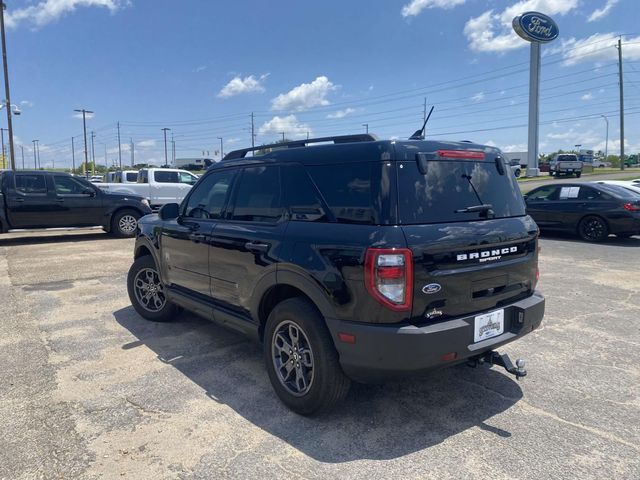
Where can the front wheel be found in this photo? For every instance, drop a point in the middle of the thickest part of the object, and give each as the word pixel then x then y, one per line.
pixel 578 174
pixel 147 293
pixel 301 359
pixel 125 223
pixel 593 229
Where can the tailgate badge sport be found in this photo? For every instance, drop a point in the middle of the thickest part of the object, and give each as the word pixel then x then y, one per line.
pixel 486 255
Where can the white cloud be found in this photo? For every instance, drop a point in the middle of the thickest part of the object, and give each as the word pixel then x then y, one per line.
pixel 147 143
pixel 26 103
pixel 598 13
pixel 341 113
pixel 587 96
pixel 492 32
pixel 517 147
pixel 304 96
pixel 416 6
pixel 239 85
pixel 47 11
pixel 478 96
pixel 200 68
pixel 289 125
pixel 87 115
pixel 599 47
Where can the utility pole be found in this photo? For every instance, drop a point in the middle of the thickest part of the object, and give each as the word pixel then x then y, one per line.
pixel 93 154
pixel 4 157
pixel 283 139
pixel 166 160
pixel 22 150
pixel 173 150
pixel 621 103
pixel 35 157
pixel 86 150
pixel 221 148
pixel 253 133
pixel 366 126
pixel 6 87
pixel 73 156
pixel 119 148
pixel 132 152
pixel 38 151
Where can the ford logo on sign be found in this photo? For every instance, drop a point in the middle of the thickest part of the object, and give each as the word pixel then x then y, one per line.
pixel 536 27
pixel 431 288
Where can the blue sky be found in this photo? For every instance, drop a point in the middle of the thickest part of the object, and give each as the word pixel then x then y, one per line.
pixel 201 67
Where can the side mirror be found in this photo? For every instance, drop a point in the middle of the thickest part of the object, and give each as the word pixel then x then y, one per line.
pixel 169 211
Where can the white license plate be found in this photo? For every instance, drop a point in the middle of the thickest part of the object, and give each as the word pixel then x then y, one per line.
pixel 488 325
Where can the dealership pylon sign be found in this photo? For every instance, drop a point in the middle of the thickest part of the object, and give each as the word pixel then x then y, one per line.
pixel 536 28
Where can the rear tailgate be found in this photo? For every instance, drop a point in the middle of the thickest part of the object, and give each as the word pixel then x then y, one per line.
pixel 460 270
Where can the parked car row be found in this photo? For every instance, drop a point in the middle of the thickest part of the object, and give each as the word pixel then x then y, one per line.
pixel 592 210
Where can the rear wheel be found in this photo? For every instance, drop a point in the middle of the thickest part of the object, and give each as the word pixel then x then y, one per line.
pixel 593 229
pixel 578 174
pixel 301 360
pixel 125 223
pixel 146 291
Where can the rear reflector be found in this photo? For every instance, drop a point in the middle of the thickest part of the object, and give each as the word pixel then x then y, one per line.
pixel 347 338
pixel 447 357
pixel 461 154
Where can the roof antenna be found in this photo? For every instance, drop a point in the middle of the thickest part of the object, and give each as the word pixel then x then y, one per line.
pixel 419 135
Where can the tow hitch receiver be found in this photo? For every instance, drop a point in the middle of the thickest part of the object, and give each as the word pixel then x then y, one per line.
pixel 494 358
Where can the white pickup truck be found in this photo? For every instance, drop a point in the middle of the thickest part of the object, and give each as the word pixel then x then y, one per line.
pixel 565 164
pixel 158 185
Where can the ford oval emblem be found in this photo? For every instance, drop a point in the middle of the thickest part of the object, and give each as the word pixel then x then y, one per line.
pixel 431 288
pixel 536 27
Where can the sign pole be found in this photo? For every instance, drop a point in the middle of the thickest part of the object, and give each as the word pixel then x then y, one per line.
pixel 534 115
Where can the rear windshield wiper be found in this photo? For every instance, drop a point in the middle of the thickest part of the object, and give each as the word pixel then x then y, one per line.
pixel 484 208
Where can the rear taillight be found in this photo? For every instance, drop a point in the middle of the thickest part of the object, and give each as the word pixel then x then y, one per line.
pixel 631 207
pixel 389 277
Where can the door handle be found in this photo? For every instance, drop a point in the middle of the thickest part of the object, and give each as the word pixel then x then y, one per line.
pixel 256 247
pixel 198 237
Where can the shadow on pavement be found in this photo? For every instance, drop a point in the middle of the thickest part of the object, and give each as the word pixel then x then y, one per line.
pixel 610 241
pixel 33 238
pixel 374 422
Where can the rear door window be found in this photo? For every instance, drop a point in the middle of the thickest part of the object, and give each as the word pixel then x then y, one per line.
pixel 165 177
pixel 132 177
pixel 31 183
pixel 301 196
pixel 452 185
pixel 258 197
pixel 347 190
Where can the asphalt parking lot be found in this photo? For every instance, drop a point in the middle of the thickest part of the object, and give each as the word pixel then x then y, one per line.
pixel 88 389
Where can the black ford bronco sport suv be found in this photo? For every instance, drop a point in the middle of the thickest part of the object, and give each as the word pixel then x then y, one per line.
pixel 351 259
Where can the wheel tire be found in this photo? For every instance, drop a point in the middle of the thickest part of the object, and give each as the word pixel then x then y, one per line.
pixel 593 229
pixel 551 174
pixel 325 384
pixel 517 173
pixel 578 175
pixel 139 272
pixel 125 223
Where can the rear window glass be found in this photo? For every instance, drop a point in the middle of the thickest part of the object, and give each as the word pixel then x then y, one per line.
pixel 30 184
pixel 567 158
pixel 347 190
pixel 455 185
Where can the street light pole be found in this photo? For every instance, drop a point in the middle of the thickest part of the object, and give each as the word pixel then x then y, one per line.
pixel 166 161
pixel 22 150
pixel 4 161
pixel 35 156
pixel 86 150
pixel 366 126
pixel 606 141
pixel 73 156
pixel 222 148
pixel 6 87
pixel 93 154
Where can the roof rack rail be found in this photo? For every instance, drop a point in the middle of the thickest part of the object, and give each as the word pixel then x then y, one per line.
pixel 364 137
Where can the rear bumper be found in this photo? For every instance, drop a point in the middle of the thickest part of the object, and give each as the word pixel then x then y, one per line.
pixel 383 352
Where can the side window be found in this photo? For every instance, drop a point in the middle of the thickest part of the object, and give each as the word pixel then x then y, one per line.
pixel 549 192
pixel 68 185
pixel 132 177
pixel 187 178
pixel 209 198
pixel 165 177
pixel 301 196
pixel 258 197
pixel 31 184
pixel 347 190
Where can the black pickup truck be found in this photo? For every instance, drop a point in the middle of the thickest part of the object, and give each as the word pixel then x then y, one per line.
pixel 40 199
